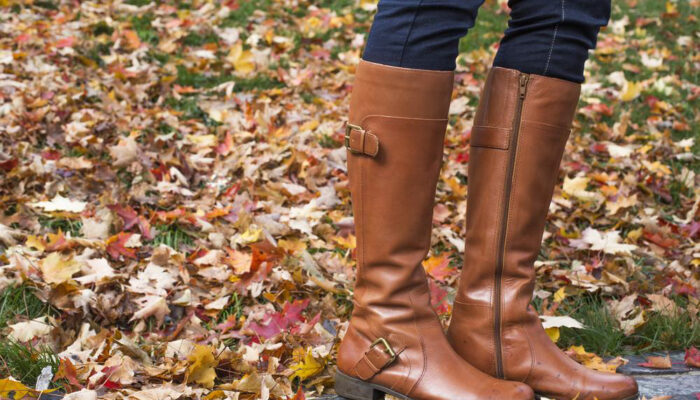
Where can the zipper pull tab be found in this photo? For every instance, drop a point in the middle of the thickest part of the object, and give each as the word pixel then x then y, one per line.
pixel 523 85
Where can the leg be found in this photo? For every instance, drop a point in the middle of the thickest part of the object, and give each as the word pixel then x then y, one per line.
pixel 552 37
pixel 395 343
pixel 421 34
pixel 519 134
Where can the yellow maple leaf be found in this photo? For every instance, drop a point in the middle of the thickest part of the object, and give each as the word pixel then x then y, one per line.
pixel 560 295
pixel 203 140
pixel 630 90
pixel 57 269
pixel 34 241
pixel 304 365
pixel 553 334
pixel 201 366
pixel 458 189
pixel 349 242
pixel 242 60
pixel 251 235
pixel 293 246
pixel 8 385
pixel 592 361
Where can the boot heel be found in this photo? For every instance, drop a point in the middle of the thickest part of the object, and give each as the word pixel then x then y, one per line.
pixel 354 389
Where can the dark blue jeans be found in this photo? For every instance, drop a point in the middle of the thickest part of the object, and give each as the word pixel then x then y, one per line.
pixel 544 37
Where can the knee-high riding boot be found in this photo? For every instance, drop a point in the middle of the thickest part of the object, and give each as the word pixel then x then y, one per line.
pixel 518 138
pixel 395 343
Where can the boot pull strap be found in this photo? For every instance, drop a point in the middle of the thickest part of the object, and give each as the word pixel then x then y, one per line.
pixel 379 356
pixel 360 141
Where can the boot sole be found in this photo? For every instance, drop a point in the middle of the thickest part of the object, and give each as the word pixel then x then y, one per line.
pixel 635 397
pixel 351 388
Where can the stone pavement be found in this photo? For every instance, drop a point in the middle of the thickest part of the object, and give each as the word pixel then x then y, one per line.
pixel 680 382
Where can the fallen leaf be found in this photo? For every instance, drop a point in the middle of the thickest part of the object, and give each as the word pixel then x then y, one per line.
pixel 57 269
pixel 304 365
pixel 657 362
pixel 692 357
pixel 26 331
pixel 202 364
pixel 60 203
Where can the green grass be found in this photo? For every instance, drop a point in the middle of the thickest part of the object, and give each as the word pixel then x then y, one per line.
pixel 65 225
pixel 603 335
pixel 21 301
pixel 241 16
pixel 235 308
pixel 143 26
pixel 140 3
pixel 487 30
pixel 25 363
pixel 196 39
pixel 173 235
pixel 186 77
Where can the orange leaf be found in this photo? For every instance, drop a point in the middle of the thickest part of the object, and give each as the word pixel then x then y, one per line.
pixel 115 246
pixel 657 362
pixel 132 39
pixel 438 267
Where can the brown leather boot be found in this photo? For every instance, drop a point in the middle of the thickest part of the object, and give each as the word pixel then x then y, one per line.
pixel 518 138
pixel 395 343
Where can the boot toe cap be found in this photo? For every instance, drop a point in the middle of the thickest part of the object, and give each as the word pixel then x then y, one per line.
pixel 615 387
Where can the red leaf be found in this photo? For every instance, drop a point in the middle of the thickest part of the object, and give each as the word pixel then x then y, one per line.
pixel 274 323
pixel 462 157
pixel 692 357
pixel 128 215
pixel 225 146
pixel 438 298
pixel 66 42
pixel 659 240
pixel 8 165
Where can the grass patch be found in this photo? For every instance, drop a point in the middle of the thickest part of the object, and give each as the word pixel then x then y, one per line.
pixel 140 3
pixel 21 300
pixel 336 5
pixel 25 363
pixel 235 308
pixel 186 77
pixel 173 235
pixel 63 224
pixel 487 30
pixel 143 26
pixel 49 5
pixel 664 332
pixel 196 39
pixel 602 334
pixel 245 11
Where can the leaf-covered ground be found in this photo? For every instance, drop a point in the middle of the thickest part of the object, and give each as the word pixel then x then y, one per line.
pixel 175 218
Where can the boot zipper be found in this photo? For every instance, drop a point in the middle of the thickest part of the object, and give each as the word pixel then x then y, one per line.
pixel 504 221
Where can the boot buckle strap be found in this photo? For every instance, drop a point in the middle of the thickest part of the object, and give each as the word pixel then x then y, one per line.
pixel 379 356
pixel 360 141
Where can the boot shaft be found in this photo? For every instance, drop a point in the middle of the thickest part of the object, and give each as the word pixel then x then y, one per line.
pixel 518 137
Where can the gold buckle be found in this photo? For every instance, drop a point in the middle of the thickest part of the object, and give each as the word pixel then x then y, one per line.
pixel 349 128
pixel 387 348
